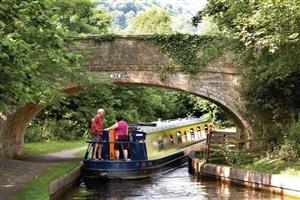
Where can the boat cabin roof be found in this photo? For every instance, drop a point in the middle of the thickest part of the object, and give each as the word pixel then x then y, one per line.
pixel 168 124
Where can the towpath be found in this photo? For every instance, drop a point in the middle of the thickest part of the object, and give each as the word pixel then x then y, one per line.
pixel 15 173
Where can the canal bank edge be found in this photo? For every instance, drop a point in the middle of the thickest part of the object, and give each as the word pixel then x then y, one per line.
pixel 282 184
pixel 59 186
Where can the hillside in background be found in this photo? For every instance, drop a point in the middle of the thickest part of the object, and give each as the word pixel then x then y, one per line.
pixel 182 11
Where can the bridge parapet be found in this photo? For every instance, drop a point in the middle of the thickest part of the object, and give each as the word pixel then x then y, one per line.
pixel 133 53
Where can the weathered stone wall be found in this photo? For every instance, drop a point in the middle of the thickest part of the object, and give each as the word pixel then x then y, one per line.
pixel 129 60
pixel 121 54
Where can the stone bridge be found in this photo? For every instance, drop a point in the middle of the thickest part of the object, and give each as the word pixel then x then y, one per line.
pixel 131 61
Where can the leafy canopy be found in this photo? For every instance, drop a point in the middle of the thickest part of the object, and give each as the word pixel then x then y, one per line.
pixel 259 23
pixel 35 64
pixel 154 20
pixel 81 16
pixel 268 31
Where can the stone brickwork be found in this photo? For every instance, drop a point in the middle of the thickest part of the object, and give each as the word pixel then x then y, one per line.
pixel 130 61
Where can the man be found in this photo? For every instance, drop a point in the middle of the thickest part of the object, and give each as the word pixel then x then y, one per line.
pixel 96 130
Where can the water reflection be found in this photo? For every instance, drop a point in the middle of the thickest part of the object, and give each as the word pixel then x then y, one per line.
pixel 176 184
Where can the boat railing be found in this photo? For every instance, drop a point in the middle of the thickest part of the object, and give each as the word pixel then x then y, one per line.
pixel 136 146
pixel 116 142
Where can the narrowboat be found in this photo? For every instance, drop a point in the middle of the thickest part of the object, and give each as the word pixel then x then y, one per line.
pixel 153 148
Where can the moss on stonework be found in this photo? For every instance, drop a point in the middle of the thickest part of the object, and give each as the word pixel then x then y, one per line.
pixel 191 52
pixel 104 38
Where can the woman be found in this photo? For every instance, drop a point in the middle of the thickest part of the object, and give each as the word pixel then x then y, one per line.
pixel 121 135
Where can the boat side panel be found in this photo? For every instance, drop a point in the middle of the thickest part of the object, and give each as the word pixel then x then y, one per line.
pixel 131 169
pixel 167 141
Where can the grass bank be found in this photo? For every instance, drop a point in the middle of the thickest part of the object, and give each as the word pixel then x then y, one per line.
pixel 80 154
pixel 40 148
pixel 38 187
pixel 258 163
pixel 274 166
pixel 265 165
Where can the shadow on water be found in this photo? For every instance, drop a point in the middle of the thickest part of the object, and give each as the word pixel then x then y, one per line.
pixel 175 184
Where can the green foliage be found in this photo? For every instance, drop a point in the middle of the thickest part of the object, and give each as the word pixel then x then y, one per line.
pixel 36 133
pixel 123 12
pixel 102 38
pixel 267 165
pixel 73 115
pixel 259 24
pixel 154 20
pixel 200 155
pixel 267 50
pixel 196 106
pixel 70 118
pixel 35 65
pixel 190 51
pixel 212 112
pixel 287 150
pixel 80 154
pixel 31 54
pixel 81 16
pixel 293 133
pixel 272 83
pixel 232 155
pixel 290 149
pixel 52 130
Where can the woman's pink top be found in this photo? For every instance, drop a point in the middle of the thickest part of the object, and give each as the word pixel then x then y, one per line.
pixel 122 128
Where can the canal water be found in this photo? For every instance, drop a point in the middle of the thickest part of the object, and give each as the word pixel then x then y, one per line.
pixel 177 184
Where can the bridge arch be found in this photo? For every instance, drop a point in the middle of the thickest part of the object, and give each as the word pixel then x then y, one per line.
pixel 192 86
pixel 128 60
pixel 131 60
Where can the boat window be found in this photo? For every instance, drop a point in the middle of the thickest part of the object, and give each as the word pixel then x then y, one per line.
pixel 171 139
pixel 199 132
pixel 185 136
pixel 179 140
pixel 160 143
pixel 192 134
pixel 206 128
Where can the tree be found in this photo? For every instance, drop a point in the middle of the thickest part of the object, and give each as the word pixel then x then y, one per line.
pixel 154 20
pixel 268 51
pixel 258 24
pixel 35 65
pixel 82 16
